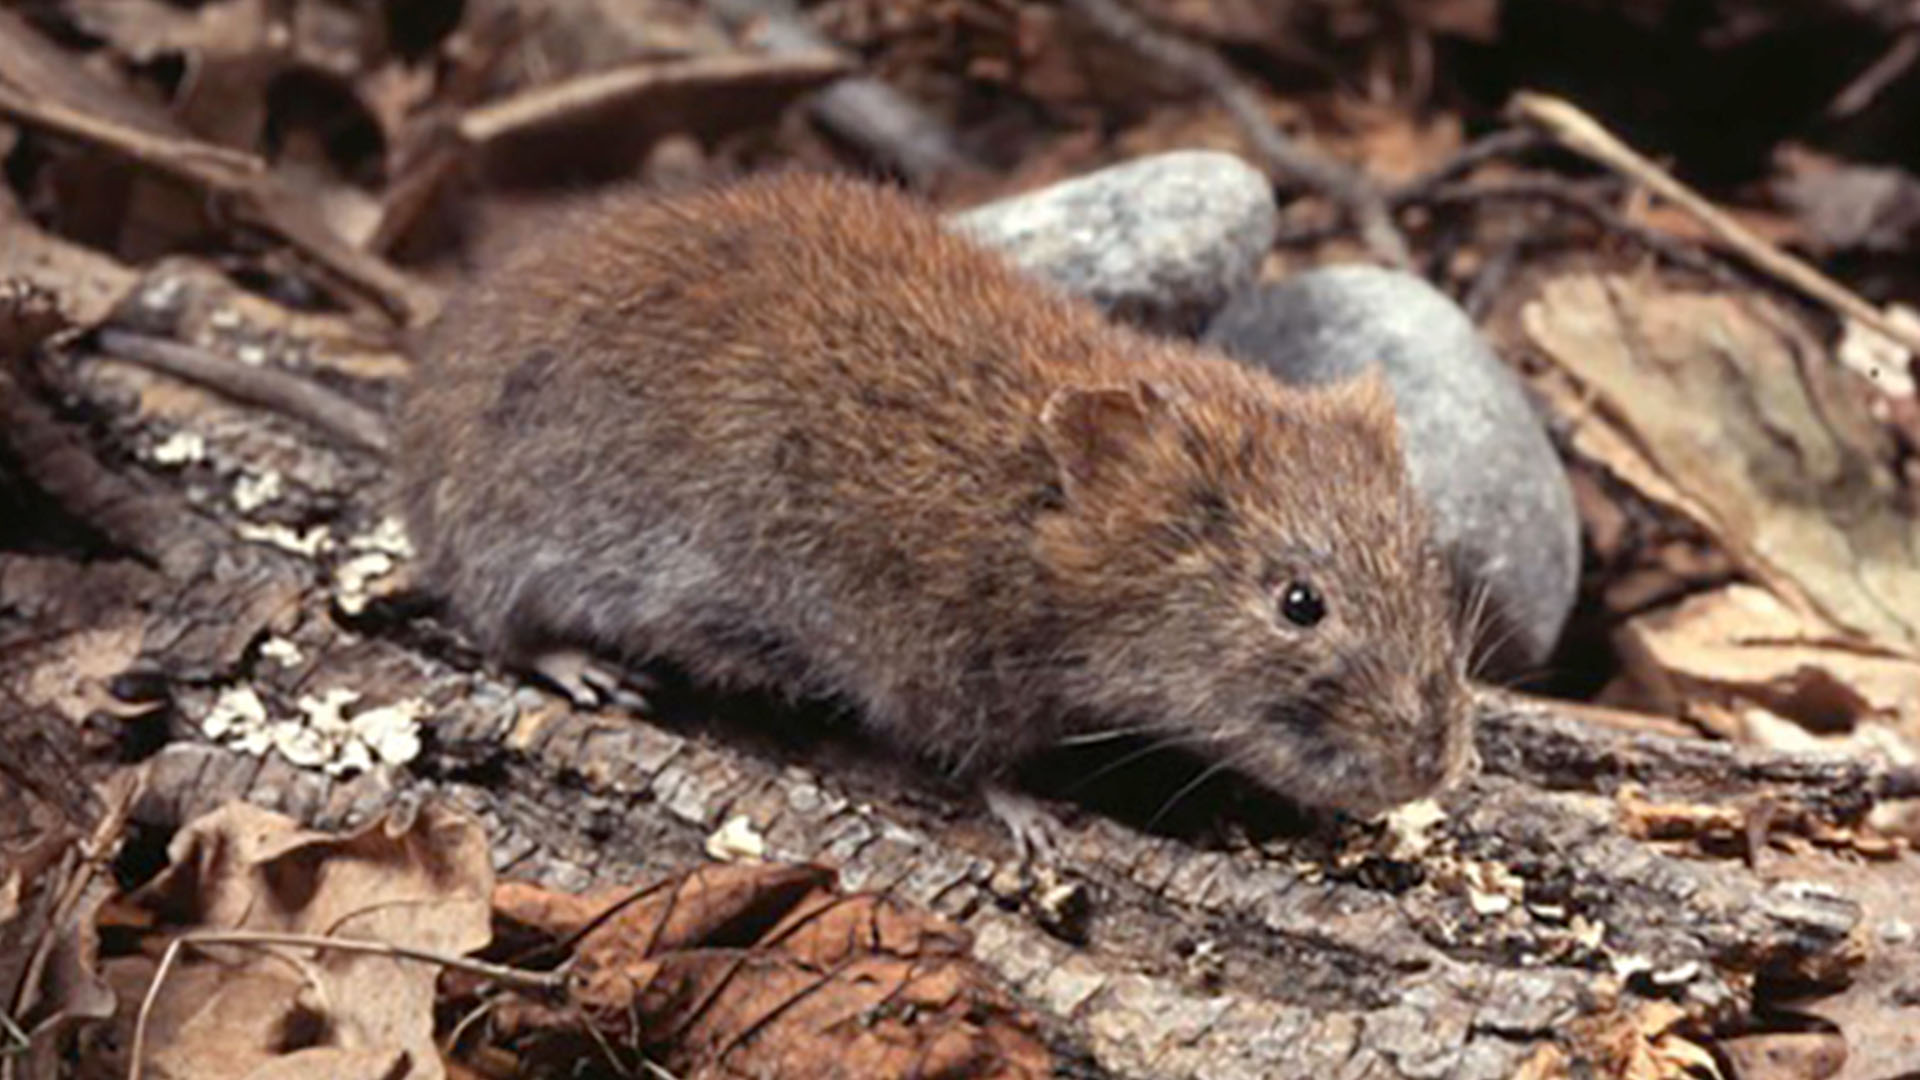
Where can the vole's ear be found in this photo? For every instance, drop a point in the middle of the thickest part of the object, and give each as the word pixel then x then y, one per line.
pixel 1096 433
pixel 1365 401
pixel 1368 394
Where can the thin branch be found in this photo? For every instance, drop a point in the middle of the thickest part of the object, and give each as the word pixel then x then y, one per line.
pixel 1547 190
pixel 1882 73
pixel 1352 190
pixel 1580 132
pixel 280 391
pixel 256 193
pixel 1508 142
pixel 42 87
pixel 630 86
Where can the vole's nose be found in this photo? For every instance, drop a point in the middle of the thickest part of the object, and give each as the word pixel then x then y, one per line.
pixel 1450 731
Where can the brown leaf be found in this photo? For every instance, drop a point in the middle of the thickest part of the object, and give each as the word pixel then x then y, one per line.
pixel 230 1011
pixel 51 890
pixel 1742 642
pixel 741 1014
pixel 719 904
pixel 754 970
pixel 827 929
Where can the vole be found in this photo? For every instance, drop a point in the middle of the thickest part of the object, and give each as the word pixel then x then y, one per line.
pixel 795 435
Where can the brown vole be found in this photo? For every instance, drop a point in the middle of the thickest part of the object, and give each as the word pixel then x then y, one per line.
pixel 794 435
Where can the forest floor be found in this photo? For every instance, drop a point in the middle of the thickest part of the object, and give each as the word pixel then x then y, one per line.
pixel 257 819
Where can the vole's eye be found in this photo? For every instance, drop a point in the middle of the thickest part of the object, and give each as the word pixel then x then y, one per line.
pixel 1301 604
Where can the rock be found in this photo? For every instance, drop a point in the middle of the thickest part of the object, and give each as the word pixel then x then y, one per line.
pixel 1474 445
pixel 1161 242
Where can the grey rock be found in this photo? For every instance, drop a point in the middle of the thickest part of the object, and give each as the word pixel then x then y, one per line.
pixel 1475 447
pixel 1161 242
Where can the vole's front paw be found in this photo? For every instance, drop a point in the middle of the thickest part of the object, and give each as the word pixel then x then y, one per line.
pixel 1061 905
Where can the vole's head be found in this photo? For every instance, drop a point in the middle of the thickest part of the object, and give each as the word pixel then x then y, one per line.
pixel 1245 568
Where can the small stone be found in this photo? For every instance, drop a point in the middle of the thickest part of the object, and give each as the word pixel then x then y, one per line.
pixel 1161 242
pixel 1474 445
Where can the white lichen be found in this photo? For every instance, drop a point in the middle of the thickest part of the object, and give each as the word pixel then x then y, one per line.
pixel 179 448
pixel 253 491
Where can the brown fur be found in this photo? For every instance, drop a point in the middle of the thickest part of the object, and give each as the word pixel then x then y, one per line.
pixel 794 435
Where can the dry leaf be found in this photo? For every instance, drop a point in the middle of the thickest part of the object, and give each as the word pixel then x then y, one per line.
pixel 52 886
pixel 257 1012
pixel 1742 642
pixel 1759 435
pixel 751 970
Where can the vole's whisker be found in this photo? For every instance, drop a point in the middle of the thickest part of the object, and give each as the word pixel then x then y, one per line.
pixel 1088 738
pixel 1153 747
pixel 1472 623
pixel 1488 647
pixel 1191 786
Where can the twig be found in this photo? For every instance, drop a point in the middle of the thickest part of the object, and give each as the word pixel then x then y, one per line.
pixel 545 982
pixel 1580 132
pixel 629 85
pixel 1351 189
pixel 284 393
pixel 1560 194
pixel 1508 142
pixel 1883 72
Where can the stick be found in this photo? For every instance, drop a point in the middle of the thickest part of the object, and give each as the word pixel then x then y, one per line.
pixel 43 87
pixel 1882 73
pixel 280 391
pixel 1351 189
pixel 630 85
pixel 1547 190
pixel 1582 134
pixel 258 195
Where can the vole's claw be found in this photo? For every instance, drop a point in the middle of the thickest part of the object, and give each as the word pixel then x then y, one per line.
pixel 1059 903
pixel 1035 830
pixel 590 684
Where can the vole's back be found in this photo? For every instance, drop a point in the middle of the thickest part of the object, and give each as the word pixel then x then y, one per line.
pixel 776 433
pixel 790 434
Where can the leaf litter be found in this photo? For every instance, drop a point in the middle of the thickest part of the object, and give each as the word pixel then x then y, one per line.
pixel 1761 587
pixel 266 950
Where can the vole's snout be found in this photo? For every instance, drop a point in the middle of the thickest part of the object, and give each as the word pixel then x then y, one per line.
pixel 1443 750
